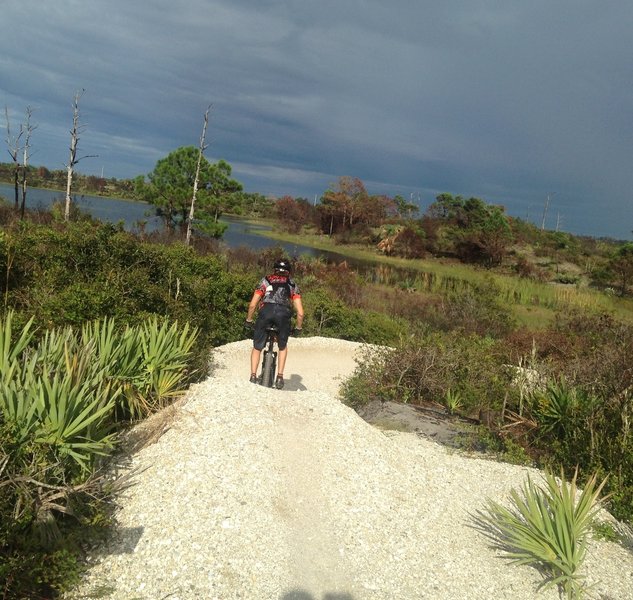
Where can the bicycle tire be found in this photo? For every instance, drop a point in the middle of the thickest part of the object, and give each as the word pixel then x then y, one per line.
pixel 268 368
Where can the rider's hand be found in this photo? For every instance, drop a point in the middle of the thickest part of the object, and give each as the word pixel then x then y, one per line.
pixel 296 332
pixel 249 328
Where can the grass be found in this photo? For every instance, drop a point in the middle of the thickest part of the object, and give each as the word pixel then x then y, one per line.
pixel 437 275
pixel 534 317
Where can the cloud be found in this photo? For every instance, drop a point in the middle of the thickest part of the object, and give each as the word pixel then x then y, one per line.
pixel 506 101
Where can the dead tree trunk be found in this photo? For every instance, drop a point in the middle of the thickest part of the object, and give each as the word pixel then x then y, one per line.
pixel 545 210
pixel 202 148
pixel 28 128
pixel 73 160
pixel 13 146
pixel 74 138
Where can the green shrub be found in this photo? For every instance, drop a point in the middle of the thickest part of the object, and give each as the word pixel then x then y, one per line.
pixel 423 368
pixel 57 400
pixel 548 527
pixel 80 272
pixel 331 317
pixel 568 279
pixel 365 384
pixel 583 417
pixel 453 401
pixel 39 558
pixel 33 573
pixel 577 427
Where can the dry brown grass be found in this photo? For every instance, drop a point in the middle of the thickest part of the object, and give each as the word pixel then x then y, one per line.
pixel 150 430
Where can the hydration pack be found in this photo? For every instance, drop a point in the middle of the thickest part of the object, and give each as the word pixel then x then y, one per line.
pixel 278 290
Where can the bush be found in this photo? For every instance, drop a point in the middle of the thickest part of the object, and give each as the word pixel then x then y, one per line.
pixel 577 427
pixel 81 272
pixel 477 309
pixel 583 415
pixel 57 417
pixel 408 243
pixel 38 559
pixel 547 526
pixel 330 317
pixel 424 368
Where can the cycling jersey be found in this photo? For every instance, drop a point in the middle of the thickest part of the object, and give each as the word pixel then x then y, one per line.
pixel 277 293
pixel 277 289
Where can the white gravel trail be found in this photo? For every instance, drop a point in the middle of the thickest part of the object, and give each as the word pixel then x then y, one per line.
pixel 260 494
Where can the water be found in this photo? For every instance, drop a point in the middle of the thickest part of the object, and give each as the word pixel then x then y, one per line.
pixel 131 212
pixel 239 233
pixel 109 210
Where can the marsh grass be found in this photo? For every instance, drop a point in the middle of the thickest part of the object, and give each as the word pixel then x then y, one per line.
pixel 439 276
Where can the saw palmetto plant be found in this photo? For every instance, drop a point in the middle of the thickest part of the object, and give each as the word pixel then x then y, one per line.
pixel 548 526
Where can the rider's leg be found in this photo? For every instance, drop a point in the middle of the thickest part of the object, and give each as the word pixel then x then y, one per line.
pixel 255 354
pixel 259 338
pixel 282 361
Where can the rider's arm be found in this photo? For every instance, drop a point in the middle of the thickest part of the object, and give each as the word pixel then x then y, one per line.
pixel 252 307
pixel 299 308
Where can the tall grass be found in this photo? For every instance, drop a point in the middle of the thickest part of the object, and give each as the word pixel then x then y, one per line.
pixel 442 277
pixel 434 278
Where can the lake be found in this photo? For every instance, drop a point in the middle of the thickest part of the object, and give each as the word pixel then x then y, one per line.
pixel 239 233
pixel 131 212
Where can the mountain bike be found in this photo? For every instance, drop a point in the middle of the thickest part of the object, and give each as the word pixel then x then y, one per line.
pixel 269 362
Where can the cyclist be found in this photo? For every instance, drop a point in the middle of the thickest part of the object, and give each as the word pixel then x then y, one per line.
pixel 275 296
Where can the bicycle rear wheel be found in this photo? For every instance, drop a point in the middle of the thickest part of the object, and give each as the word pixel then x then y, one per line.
pixel 268 368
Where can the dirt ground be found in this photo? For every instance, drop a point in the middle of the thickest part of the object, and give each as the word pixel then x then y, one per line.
pixel 317 366
pixel 430 422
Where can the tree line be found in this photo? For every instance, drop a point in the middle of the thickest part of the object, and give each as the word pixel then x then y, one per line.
pixel 190 194
pixel 42 177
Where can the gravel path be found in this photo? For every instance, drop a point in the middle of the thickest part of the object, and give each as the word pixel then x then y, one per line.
pixel 263 494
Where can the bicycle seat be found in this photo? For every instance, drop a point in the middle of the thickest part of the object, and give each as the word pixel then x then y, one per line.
pixel 272 329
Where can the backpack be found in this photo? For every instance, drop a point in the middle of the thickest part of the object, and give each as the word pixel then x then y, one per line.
pixel 278 290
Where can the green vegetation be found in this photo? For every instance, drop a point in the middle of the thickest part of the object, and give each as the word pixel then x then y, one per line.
pixel 170 190
pixel 549 527
pixel 63 398
pixel 528 332
pixel 485 295
pixel 100 328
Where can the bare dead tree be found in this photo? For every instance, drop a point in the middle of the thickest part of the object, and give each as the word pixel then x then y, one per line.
pixel 13 146
pixel 74 139
pixel 28 129
pixel 202 148
pixel 547 200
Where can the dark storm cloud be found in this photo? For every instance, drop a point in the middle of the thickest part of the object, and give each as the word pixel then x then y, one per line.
pixel 507 101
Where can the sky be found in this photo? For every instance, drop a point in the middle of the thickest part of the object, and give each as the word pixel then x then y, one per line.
pixel 511 101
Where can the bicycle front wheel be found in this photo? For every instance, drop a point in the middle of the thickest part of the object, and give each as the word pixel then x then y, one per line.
pixel 268 368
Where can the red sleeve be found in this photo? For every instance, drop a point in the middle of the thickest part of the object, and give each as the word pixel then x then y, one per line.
pixel 261 288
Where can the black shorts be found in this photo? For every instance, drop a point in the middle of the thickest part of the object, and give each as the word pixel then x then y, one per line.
pixel 272 314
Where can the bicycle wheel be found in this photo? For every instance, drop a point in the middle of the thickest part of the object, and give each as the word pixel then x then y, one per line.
pixel 268 368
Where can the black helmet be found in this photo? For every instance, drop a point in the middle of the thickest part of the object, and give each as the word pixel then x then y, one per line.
pixel 282 265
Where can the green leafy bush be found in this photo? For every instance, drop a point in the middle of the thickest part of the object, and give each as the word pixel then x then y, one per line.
pixel 425 367
pixel 583 417
pixel 331 317
pixel 81 272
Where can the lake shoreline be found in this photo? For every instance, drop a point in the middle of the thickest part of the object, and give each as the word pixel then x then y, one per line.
pixel 74 193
